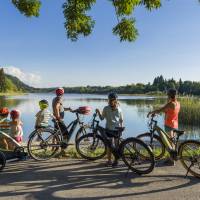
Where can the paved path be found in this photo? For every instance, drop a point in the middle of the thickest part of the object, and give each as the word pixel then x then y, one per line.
pixel 80 179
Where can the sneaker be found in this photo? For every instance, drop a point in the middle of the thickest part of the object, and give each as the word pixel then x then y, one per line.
pixel 169 162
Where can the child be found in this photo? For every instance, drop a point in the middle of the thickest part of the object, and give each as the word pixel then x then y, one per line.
pixel 16 130
pixel 43 116
pixel 114 118
pixel 4 125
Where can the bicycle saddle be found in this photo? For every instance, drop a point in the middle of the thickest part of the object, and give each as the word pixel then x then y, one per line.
pixel 120 129
pixel 179 132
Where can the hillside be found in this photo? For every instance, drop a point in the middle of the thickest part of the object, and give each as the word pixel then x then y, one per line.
pixel 9 84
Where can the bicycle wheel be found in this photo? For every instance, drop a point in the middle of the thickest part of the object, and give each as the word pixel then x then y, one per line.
pixel 189 155
pixel 43 144
pixel 82 131
pixel 156 144
pixel 2 161
pixel 91 147
pixel 137 156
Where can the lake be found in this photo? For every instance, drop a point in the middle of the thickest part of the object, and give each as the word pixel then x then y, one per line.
pixel 135 109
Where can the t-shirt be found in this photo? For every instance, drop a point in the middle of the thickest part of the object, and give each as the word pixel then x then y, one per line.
pixel 114 118
pixel 42 118
pixel 5 125
pixel 16 129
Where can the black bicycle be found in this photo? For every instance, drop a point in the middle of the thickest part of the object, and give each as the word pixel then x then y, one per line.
pixel 137 156
pixel 45 142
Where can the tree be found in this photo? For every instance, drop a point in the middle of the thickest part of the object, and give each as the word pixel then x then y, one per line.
pixel 2 81
pixel 78 22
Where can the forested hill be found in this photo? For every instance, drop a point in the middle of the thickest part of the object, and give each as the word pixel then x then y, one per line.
pixel 160 85
pixel 9 84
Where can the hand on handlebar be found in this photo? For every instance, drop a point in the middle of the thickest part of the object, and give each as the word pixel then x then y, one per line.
pixel 151 114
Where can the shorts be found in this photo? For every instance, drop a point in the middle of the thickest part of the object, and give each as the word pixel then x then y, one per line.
pixel 18 139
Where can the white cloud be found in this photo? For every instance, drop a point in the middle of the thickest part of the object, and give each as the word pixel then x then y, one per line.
pixel 31 79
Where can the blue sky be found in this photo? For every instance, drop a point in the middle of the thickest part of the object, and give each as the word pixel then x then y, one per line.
pixel 168 44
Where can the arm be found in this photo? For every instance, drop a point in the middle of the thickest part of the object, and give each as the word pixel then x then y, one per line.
pixel 121 119
pixel 159 110
pixel 57 111
pixel 101 115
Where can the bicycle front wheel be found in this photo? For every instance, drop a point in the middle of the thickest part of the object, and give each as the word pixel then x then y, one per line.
pixel 137 156
pixel 189 154
pixel 155 143
pixel 91 147
pixel 43 144
pixel 2 161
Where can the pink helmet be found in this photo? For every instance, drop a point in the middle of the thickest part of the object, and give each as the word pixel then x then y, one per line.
pixel 14 114
pixel 85 110
pixel 60 91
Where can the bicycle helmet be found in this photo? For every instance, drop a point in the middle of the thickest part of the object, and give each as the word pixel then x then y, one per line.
pixel 60 91
pixel 84 110
pixel 112 96
pixel 4 111
pixel 43 104
pixel 14 114
pixel 172 93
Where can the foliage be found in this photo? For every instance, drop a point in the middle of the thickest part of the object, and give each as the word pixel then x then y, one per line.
pixel 28 7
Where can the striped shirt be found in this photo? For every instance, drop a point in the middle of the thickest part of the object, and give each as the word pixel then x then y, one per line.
pixel 42 118
pixel 5 125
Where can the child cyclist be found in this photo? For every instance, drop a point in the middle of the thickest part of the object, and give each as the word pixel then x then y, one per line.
pixel 43 116
pixel 4 126
pixel 171 110
pixel 112 113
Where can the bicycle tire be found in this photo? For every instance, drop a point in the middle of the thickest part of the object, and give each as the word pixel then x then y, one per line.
pixel 193 158
pixel 158 154
pixel 134 156
pixel 2 161
pixel 44 156
pixel 96 141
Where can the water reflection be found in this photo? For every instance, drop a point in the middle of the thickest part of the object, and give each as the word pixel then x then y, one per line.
pixel 135 109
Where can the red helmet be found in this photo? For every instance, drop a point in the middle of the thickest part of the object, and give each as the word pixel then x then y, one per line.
pixel 60 91
pixel 14 114
pixel 4 111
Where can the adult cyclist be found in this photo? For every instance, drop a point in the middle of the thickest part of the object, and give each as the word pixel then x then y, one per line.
pixel 59 112
pixel 171 110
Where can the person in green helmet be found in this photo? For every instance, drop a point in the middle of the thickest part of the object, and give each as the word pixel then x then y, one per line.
pixel 44 115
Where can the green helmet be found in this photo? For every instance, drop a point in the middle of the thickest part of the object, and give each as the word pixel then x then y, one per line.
pixel 43 104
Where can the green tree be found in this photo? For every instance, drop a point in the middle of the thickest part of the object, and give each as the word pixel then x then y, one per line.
pixel 79 23
pixel 2 81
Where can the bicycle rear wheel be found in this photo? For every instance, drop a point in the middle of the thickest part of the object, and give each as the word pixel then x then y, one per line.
pixel 189 154
pixel 156 144
pixel 43 144
pixel 137 156
pixel 91 147
pixel 2 161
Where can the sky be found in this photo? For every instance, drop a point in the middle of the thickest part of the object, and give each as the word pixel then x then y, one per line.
pixel 37 50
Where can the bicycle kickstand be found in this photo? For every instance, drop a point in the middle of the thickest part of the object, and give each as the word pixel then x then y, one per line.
pixel 188 170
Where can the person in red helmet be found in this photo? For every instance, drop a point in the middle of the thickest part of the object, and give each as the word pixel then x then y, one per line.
pixel 16 126
pixel 59 110
pixel 4 126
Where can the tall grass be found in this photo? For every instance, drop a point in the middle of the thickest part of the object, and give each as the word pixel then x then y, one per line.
pixel 190 111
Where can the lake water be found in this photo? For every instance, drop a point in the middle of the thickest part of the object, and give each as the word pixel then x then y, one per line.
pixel 134 109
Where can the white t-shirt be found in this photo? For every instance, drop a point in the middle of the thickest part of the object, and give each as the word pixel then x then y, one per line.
pixel 114 118
pixel 43 117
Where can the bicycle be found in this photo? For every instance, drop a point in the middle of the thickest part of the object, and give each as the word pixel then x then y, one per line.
pixel 188 152
pixel 2 161
pixel 133 151
pixel 44 142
